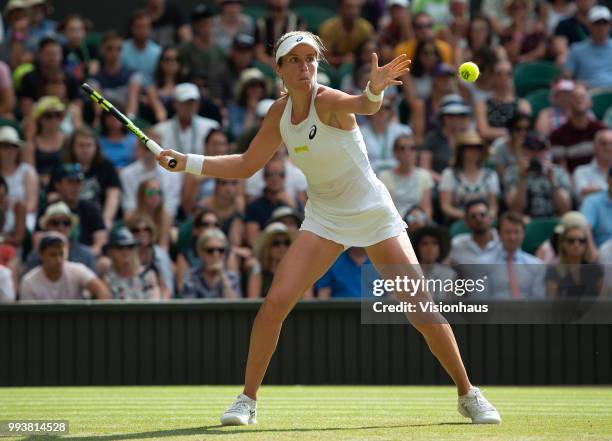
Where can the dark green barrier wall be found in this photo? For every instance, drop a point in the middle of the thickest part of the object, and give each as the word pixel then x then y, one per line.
pixel 322 343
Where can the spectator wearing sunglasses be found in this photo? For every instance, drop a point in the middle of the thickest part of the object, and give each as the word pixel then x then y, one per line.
pixel 150 254
pixel 416 217
pixel 127 278
pixel 60 219
pixel 482 241
pixel 272 244
pixel 150 203
pixel 212 279
pixel 408 184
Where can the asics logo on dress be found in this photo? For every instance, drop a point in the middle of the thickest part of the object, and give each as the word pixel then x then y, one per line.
pixel 313 132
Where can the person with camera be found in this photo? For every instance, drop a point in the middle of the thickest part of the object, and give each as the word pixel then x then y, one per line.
pixel 534 185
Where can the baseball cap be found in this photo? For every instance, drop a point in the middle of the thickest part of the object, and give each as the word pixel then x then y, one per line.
pixel 70 171
pixel 185 92
pixel 243 42
pixel 9 135
pixel 402 3
pixel 599 13
pixel 200 11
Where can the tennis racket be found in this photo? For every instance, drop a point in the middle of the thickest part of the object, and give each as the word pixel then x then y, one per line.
pixel 108 107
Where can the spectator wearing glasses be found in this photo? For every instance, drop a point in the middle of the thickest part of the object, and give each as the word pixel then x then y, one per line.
pixel 380 132
pixel 481 242
pixel 150 203
pixel 493 113
pixel 151 255
pixel 506 149
pixel 408 184
pixel 67 182
pixel 468 179
pixel 45 137
pixel 575 274
pixel 274 195
pixel 20 176
pixel 417 85
pixel 211 279
pixel 416 218
pixel 127 279
pixel 60 219
pixel 270 247
pixel 593 177
pixel 56 279
pixel 534 185
pixel 590 60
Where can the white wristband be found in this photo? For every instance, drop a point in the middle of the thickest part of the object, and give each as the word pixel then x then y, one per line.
pixel 194 164
pixel 371 96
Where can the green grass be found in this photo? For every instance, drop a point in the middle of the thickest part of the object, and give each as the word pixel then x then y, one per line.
pixel 317 413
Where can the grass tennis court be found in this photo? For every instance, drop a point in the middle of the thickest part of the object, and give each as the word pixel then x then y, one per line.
pixel 314 413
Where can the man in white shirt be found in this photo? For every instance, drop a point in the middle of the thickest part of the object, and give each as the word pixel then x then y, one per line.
pixel 511 272
pixel 146 167
pixel 481 242
pixel 593 177
pixel 186 131
pixel 55 278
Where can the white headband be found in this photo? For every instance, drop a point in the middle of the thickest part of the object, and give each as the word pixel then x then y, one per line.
pixel 289 43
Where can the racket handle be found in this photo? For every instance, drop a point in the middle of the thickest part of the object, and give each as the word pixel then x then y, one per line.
pixel 156 149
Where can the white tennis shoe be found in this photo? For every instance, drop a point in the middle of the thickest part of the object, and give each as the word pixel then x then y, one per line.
pixel 475 406
pixel 242 412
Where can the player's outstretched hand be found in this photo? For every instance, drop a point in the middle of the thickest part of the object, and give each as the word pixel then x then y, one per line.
pixel 384 76
pixel 166 155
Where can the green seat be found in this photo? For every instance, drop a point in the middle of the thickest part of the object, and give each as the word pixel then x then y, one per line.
pixel 533 76
pixel 184 235
pixel 458 227
pixel 14 124
pixel 265 69
pixel 314 15
pixel 404 112
pixel 537 232
pixel 602 101
pixel 254 11
pixel 94 38
pixel 538 99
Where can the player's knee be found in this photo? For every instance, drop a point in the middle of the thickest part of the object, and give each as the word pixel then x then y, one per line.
pixel 276 306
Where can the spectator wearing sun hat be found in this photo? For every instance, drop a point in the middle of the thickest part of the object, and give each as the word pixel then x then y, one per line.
pixel 251 88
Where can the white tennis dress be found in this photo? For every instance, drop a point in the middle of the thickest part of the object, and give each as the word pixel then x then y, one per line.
pixel 347 203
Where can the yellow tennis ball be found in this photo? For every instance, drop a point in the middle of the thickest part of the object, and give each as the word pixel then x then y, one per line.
pixel 469 71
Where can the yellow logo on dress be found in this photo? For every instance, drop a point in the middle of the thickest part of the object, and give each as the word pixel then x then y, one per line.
pixel 300 149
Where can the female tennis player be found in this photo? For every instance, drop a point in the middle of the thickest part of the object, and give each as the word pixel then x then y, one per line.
pixel 347 206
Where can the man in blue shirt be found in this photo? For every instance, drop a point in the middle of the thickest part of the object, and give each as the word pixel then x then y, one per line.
pixel 343 279
pixel 140 53
pixel 591 60
pixel 597 208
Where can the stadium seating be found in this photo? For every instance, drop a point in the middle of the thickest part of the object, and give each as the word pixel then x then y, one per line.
pixel 254 11
pixel 314 15
pixel 538 99
pixel 533 76
pixel 538 231
pixel 602 101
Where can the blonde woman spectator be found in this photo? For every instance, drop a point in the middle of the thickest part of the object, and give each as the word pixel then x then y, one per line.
pixel 21 177
pixel 270 247
pixel 467 178
pixel 150 203
pixel 212 279
pixel 150 254
pixel 45 137
pixel 575 274
pixel 408 184
pixel 128 279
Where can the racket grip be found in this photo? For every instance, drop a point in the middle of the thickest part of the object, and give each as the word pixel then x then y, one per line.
pixel 156 149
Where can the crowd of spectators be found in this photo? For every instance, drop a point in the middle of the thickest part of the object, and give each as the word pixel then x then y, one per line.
pixel 476 169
